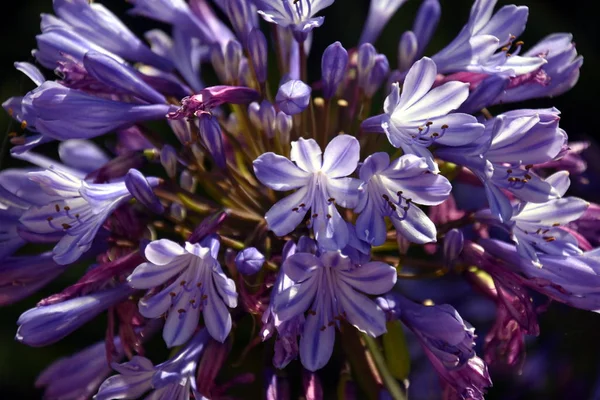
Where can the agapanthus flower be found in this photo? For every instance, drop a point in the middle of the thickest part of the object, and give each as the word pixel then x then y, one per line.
pixel 392 190
pixel 173 379
pixel 420 116
pixel 299 15
pixel 330 289
pixel 322 183
pixel 76 208
pixel 194 283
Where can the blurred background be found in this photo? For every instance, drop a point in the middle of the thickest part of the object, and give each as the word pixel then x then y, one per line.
pixel 563 362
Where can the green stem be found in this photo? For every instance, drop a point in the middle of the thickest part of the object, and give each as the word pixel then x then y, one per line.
pixel 388 380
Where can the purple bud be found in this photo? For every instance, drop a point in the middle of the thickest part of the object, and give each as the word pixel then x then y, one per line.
pixel 426 22
pixel 284 125
pixel 364 63
pixel 379 72
pixel 168 159
pixel 267 118
pixel 141 189
pixel 241 15
pixel 257 47
pixel 254 114
pixel 119 76
pixel 44 325
pixel 278 388
pixel 293 97
pixel 407 50
pixel 208 226
pixel 226 61
pixel 212 138
pixel 249 261
pixel 187 181
pixel 333 68
pixel 453 245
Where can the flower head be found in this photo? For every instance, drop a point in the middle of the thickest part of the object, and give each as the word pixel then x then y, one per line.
pixel 194 283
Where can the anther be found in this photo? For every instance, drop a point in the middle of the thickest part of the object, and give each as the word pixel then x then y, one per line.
pixel 67 208
pixel 385 197
pixel 328 216
pixel 23 124
pixel 295 209
pixel 445 126
pixel 556 224
pixel 49 219
pixel 182 283
pixel 428 123
pixel 528 166
pixel 57 207
pixel 66 226
pixel 172 294
pixel 399 193
pixel 315 215
pixel 509 171
pixel 181 310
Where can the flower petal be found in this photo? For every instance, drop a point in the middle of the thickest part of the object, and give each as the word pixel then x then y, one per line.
pixel 341 156
pixel 286 214
pixel 558 211
pixel 361 311
pixel 216 316
pixel 318 337
pixel 419 80
pixel 416 226
pixel 306 153
pixel 182 321
pixel 148 275
pixel 295 300
pixel 163 251
pixel 300 266
pixel 371 278
pixel 344 191
pixel 439 101
pixel 279 173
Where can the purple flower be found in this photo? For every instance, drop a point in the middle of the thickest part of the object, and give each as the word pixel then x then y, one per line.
pixel 77 208
pixel 24 275
pixel 100 26
pixel 77 376
pixel 293 97
pixel 573 279
pixel 453 245
pixel 204 24
pixel 380 12
pixel 62 113
pixel 194 282
pixel 173 379
pixel 296 14
pixel 392 190
pixel 321 180
pixel 419 117
pixel 249 261
pixel 559 74
pixel 45 325
pixel 257 47
pixel 334 64
pixel 535 227
pixel 448 343
pixel 474 48
pixel 503 157
pixel 328 289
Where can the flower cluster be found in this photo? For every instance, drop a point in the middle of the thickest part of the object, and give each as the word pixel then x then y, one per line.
pixel 280 217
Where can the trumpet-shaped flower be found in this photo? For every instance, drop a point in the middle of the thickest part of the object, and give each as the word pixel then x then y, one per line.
pixel 329 289
pixel 194 282
pixel 322 183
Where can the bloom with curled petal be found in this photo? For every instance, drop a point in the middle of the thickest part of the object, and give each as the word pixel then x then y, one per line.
pixel 447 340
pixel 503 157
pixel 322 182
pixel 194 282
pixel 392 190
pixel 76 208
pixel 474 48
pixel 380 11
pixel 419 117
pixel 172 379
pixel 296 14
pixel 329 289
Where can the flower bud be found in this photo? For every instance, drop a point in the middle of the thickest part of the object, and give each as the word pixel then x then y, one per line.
pixel 141 189
pixel 168 159
pixel 212 138
pixel 407 50
pixel 284 125
pixel 364 63
pixel 187 181
pixel 249 261
pixel 257 47
pixel 333 68
pixel 293 97
pixel 425 23
pixel 453 245
pixel 379 72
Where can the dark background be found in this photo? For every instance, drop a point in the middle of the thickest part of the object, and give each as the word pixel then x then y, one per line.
pixel 568 343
